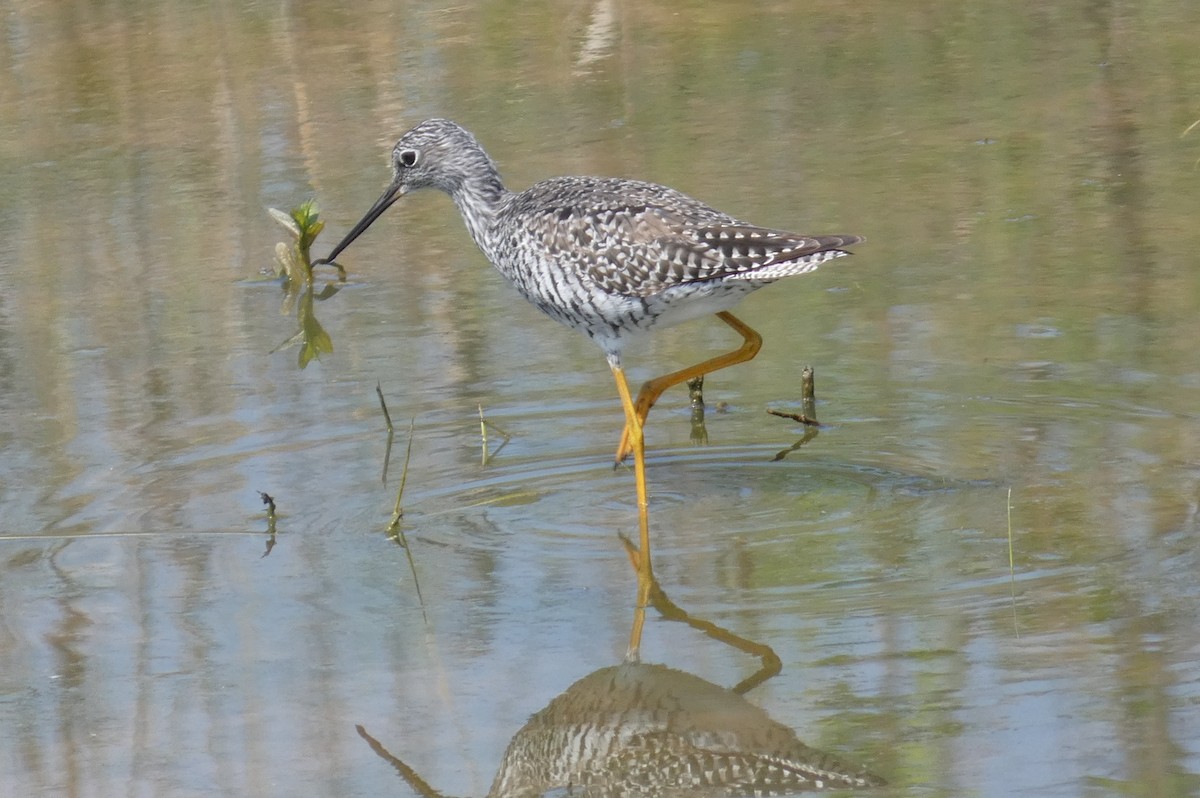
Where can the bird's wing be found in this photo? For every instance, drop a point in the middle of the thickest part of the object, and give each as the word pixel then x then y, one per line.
pixel 638 239
pixel 651 249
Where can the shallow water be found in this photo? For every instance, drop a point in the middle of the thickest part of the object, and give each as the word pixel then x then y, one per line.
pixel 1011 349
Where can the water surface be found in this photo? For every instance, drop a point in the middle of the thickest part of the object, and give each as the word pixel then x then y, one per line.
pixel 1011 350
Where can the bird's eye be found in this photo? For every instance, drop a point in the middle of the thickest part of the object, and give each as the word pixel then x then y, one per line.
pixel 408 158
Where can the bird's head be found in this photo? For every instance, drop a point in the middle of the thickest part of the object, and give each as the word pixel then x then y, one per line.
pixel 435 154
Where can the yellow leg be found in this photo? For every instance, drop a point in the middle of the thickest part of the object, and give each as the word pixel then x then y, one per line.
pixel 639 557
pixel 645 583
pixel 648 395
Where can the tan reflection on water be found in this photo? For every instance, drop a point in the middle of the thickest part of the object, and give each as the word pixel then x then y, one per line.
pixel 649 729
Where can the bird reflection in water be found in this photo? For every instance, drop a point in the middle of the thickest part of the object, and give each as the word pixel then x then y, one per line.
pixel 638 729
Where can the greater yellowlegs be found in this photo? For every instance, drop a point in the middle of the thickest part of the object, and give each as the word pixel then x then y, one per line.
pixel 612 258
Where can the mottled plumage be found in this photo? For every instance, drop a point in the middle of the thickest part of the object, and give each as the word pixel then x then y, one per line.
pixel 607 256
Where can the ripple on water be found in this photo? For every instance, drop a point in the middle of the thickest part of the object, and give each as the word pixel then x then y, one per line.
pixel 703 501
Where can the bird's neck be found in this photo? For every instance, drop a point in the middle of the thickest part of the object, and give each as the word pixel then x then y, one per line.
pixel 479 198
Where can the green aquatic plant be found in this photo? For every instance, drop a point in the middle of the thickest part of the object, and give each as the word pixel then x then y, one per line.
pixel 294 267
pixel 294 260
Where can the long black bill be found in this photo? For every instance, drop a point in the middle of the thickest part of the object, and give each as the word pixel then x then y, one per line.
pixel 385 201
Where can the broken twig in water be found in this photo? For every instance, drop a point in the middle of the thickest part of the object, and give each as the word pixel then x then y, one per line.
pixel 410 776
pixel 398 511
pixel 270 502
pixel 695 388
pixel 699 431
pixel 808 401
pixel 1012 572
pixel 808 404
pixel 803 419
pixel 395 531
pixel 808 392
pixel 483 428
pixel 387 452
pixel 386 415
